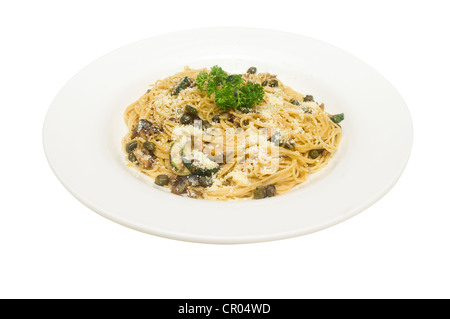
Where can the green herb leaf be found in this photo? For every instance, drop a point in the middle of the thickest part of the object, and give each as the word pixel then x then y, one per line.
pixel 184 83
pixel 337 118
pixel 229 90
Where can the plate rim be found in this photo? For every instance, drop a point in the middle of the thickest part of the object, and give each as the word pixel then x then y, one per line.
pixel 242 239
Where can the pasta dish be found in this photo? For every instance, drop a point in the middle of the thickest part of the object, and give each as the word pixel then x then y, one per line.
pixel 208 134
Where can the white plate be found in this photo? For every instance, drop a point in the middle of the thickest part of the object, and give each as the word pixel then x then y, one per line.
pixel 84 127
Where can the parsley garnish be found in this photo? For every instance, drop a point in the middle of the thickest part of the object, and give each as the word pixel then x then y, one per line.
pixel 230 90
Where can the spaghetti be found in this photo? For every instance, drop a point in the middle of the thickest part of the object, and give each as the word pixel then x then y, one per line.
pixel 182 138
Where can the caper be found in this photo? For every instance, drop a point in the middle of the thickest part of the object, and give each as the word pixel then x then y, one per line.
pixel 251 70
pixel 231 77
pixel 295 102
pixel 271 190
pixel 186 119
pixel 149 146
pixel 259 192
pixel 314 154
pixel 131 146
pixel 265 83
pixel 289 145
pixel 308 98
pixel 245 122
pixel 190 110
pixel 273 84
pixel 162 180
pixel 276 139
pixel 205 181
pixel 132 157
pixel 216 118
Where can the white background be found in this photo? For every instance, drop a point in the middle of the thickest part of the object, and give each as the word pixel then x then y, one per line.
pixel 52 246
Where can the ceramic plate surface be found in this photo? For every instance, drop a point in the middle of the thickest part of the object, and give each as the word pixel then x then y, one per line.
pixel 84 126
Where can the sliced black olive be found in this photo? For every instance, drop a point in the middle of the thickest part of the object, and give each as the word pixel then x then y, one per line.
pixel 131 146
pixel 271 190
pixel 251 70
pixel 162 180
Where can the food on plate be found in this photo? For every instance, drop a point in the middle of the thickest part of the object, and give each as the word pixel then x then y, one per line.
pixel 209 134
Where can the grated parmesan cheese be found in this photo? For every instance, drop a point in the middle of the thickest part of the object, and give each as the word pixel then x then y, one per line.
pixel 238 177
pixel 274 100
pixel 202 160
pixel 217 183
pixel 311 104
